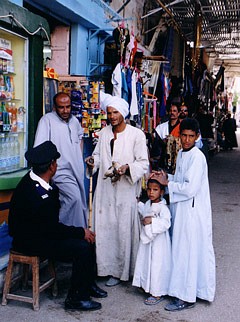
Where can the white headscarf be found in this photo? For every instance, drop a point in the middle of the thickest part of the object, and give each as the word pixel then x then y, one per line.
pixel 114 101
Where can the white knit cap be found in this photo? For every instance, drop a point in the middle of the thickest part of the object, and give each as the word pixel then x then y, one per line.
pixel 114 101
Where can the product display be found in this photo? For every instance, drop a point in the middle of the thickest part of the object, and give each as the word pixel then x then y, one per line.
pixel 12 115
pixel 85 104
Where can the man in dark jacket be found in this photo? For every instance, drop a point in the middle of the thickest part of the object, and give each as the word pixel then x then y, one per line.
pixel 36 230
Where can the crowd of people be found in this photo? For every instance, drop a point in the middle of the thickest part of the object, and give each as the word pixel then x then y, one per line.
pixel 163 245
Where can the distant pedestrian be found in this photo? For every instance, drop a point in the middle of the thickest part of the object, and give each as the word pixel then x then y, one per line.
pixel 229 129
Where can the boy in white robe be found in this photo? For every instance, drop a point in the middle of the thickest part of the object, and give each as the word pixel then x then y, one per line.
pixel 153 264
pixel 193 259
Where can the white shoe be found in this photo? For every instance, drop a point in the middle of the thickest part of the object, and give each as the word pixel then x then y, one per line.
pixel 113 281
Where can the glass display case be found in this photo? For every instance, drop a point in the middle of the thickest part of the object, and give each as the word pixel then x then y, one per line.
pixel 13 101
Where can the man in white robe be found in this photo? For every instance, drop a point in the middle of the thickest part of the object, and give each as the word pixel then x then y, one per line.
pixel 193 259
pixel 65 131
pixel 117 224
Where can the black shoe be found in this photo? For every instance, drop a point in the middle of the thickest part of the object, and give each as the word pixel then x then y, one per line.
pixel 82 305
pixel 178 305
pixel 97 292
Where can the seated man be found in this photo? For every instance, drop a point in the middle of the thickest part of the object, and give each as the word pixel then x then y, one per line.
pixel 36 230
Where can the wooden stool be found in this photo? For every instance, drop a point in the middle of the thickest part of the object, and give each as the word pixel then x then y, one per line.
pixel 34 261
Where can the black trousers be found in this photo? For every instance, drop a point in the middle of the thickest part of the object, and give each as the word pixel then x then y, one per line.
pixel 79 252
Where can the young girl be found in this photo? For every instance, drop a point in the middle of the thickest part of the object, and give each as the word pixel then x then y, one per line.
pixel 152 270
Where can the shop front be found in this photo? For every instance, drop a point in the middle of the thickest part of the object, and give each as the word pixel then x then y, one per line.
pixel 21 98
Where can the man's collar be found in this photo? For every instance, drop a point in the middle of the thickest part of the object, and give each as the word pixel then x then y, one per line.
pixel 70 117
pixel 42 182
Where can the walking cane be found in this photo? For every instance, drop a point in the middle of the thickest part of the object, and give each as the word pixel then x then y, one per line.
pixel 90 171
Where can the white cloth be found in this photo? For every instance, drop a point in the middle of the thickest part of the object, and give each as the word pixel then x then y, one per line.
pixel 42 182
pixel 155 75
pixel 129 49
pixel 118 103
pixel 70 171
pixel 193 259
pixel 153 264
pixel 134 101
pixel 117 225
pixel 103 97
pixel 163 130
pixel 117 81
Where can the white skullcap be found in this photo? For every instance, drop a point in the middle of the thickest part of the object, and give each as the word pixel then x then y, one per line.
pixel 114 101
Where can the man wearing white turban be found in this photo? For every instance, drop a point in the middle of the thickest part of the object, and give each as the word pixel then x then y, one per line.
pixel 116 220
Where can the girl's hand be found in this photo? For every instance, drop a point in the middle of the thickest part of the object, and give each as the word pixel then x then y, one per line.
pixel 146 221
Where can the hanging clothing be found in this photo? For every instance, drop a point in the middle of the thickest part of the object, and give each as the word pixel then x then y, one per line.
pixel 117 81
pixel 129 48
pixel 69 177
pixel 153 264
pixel 125 90
pixel 155 75
pixel 134 100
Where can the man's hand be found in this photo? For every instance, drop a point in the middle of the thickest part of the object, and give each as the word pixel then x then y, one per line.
pixel 122 170
pixel 89 236
pixel 90 162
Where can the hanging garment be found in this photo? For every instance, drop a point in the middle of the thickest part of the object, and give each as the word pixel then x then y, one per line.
pixel 155 76
pixel 125 91
pixel 129 49
pixel 134 101
pixel 117 81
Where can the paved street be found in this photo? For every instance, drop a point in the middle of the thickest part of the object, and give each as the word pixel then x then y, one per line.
pixel 125 303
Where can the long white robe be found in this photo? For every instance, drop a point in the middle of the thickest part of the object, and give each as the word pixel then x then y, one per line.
pixel 153 264
pixel 193 259
pixel 70 171
pixel 117 225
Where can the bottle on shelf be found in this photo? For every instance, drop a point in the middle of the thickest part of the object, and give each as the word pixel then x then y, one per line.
pixel 10 66
pixel 6 119
pixel 2 153
pixel 20 118
pixel 1 116
pixel 14 117
pixel 12 163
pixel 2 87
pixel 16 152
pixel 7 154
pixel 4 65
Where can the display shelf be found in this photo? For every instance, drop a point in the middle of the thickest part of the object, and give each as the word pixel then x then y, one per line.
pixel 10 100
pixel 8 73
pixel 69 78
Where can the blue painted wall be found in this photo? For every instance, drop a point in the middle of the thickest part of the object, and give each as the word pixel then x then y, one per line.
pixel 82 15
pixel 18 2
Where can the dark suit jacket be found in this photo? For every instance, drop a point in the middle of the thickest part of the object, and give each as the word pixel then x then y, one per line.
pixel 34 217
